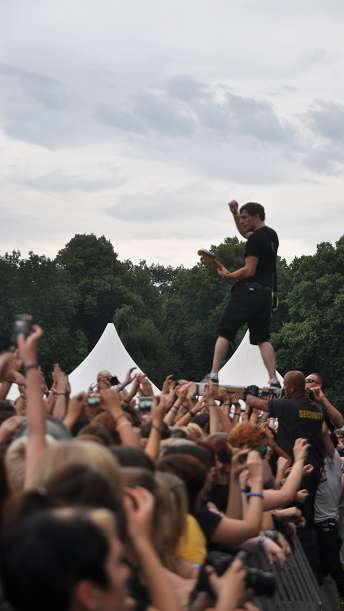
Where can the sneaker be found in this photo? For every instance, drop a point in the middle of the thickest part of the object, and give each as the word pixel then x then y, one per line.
pixel 210 376
pixel 275 387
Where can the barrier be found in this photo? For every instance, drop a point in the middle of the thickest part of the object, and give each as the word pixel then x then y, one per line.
pixel 297 589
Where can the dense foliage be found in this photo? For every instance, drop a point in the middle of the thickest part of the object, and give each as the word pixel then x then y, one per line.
pixel 167 316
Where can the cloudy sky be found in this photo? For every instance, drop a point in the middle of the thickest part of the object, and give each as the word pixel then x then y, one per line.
pixel 141 119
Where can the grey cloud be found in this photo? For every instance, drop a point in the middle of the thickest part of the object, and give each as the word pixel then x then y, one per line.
pixel 325 159
pixel 45 90
pixel 120 119
pixel 17 223
pixel 327 119
pixel 186 88
pixel 161 113
pixel 61 182
pixel 183 107
pixel 183 204
pixel 246 117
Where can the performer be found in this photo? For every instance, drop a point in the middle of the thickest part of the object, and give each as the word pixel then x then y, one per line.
pixel 251 298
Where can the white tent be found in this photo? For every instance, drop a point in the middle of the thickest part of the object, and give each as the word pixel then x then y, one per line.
pixel 109 353
pixel 245 367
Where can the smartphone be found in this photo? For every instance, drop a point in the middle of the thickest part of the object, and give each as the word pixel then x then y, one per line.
pixel 93 399
pixel 22 325
pixel 145 404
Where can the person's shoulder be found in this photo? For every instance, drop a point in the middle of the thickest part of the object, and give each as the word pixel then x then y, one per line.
pixel 270 232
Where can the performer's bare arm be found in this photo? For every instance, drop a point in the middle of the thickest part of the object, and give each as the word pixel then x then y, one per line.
pixel 234 208
pixel 248 270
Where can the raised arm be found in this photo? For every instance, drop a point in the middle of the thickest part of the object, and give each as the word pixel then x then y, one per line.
pixel 60 392
pixel 234 532
pixel 234 209
pixel 111 402
pixel 139 505
pixel 332 411
pixel 153 444
pixel 35 411
pixel 274 499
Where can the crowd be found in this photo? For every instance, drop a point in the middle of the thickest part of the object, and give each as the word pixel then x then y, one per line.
pixel 118 499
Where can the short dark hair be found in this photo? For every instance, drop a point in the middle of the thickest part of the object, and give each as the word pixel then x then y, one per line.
pixel 252 208
pixel 130 456
pixel 44 556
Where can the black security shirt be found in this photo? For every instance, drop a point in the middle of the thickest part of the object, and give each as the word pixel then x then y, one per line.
pixel 299 417
pixel 263 244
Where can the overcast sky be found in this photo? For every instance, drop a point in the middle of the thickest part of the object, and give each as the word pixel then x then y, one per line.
pixel 140 120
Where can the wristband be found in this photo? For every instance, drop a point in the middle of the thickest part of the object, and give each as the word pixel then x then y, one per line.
pixel 256 494
pixel 31 366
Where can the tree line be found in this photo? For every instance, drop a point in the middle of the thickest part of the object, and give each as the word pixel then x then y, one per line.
pixel 167 316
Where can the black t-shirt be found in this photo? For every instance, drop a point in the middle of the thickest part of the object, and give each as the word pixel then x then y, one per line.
pixel 208 520
pixel 263 244
pixel 299 417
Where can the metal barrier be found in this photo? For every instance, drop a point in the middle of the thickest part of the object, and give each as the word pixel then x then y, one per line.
pixel 297 589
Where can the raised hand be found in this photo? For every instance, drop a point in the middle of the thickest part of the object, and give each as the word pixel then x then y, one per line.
pixel 130 376
pixel 28 346
pixel 76 406
pixel 146 387
pixel 233 206
pixel 10 364
pixel 255 466
pixel 139 507
pixel 300 449
pixel 273 552
pixel 9 427
pixel 231 585
pixel 167 385
pixel 111 401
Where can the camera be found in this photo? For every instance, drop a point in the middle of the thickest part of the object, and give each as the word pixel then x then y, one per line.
pixel 93 399
pixel 22 326
pixel 263 583
pixel 145 404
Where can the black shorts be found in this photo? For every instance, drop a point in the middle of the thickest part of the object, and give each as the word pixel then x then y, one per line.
pixel 249 305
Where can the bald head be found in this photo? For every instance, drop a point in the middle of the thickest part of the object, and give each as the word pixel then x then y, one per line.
pixel 294 383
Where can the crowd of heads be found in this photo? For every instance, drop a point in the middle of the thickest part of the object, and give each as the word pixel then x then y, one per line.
pixel 119 498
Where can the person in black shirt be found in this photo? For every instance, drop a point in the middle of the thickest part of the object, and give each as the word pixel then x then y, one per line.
pixel 300 416
pixel 251 298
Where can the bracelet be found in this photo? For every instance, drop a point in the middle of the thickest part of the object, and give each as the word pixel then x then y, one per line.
pixel 60 393
pixel 157 428
pixel 256 494
pixel 31 366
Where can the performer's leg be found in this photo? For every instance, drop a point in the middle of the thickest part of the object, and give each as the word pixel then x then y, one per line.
pixel 220 352
pixel 269 359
